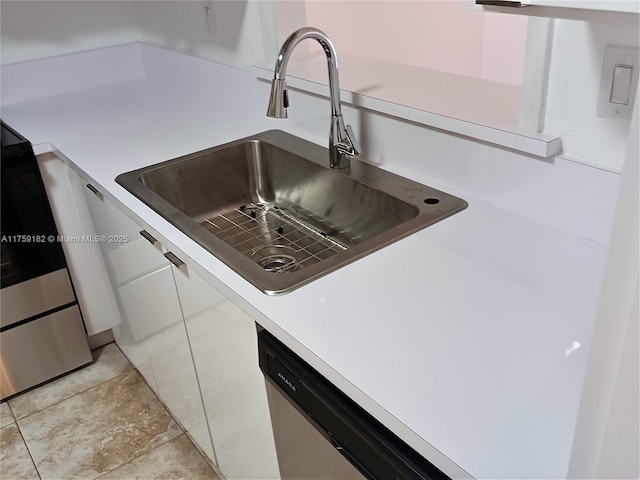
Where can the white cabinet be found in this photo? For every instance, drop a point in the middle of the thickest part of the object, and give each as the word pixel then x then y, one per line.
pixel 623 6
pixel 152 332
pixel 194 345
pixel 86 265
pixel 225 351
pixel 134 268
pixel 589 10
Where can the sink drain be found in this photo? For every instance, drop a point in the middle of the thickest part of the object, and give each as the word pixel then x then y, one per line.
pixel 276 258
pixel 277 263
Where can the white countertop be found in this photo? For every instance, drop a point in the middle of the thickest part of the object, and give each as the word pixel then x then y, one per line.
pixel 469 339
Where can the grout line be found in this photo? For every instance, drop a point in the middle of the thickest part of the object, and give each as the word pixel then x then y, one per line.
pixel 15 420
pixel 180 426
pixel 24 442
pixel 143 453
pixel 128 371
pixel 182 429
pixel 54 404
pixel 77 393
pixel 204 456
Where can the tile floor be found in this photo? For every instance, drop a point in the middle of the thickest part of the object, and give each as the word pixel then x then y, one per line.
pixel 103 422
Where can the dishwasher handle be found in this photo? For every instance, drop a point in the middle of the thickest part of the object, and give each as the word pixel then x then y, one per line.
pixel 350 458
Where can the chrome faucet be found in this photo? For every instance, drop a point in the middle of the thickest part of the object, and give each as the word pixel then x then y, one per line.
pixel 342 142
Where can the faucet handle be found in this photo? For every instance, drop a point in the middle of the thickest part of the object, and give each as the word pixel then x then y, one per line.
pixel 353 140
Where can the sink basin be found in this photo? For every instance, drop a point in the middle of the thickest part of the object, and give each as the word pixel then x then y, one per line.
pixel 270 208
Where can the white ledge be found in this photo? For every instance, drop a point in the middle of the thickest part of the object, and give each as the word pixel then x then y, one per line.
pixel 472 107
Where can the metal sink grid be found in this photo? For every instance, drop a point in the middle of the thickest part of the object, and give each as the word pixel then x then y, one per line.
pixel 253 228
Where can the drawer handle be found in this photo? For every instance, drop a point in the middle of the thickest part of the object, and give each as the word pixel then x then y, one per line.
pixel 173 259
pixel 94 190
pixel 150 238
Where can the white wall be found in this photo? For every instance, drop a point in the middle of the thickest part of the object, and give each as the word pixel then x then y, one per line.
pixel 619 454
pixel 606 440
pixel 440 35
pixel 37 29
pixel 450 37
pixel 492 46
pixel 180 25
pixel 620 446
pixel 574 84
pixel 504 43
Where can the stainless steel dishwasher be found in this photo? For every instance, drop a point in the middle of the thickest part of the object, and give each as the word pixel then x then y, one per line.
pixel 320 433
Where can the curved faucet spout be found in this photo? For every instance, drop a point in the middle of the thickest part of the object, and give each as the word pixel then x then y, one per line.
pixel 342 141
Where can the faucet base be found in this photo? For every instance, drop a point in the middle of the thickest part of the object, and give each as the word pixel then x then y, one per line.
pixel 341 148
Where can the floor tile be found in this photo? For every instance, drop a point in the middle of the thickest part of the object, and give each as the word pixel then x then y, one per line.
pixel 176 459
pixel 15 461
pixel 97 430
pixel 109 363
pixel 178 388
pixel 6 417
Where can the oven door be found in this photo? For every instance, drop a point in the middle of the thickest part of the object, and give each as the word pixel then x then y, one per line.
pixel 41 330
pixel 29 246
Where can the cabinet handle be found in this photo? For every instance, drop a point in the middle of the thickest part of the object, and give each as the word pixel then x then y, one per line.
pixel 501 3
pixel 94 190
pixel 150 238
pixel 173 259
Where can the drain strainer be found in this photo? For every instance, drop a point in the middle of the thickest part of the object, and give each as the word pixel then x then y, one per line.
pixel 276 258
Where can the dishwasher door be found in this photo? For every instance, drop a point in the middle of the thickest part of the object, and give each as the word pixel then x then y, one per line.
pixel 320 433
pixel 303 453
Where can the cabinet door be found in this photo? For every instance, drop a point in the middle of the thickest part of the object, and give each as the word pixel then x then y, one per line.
pixel 152 333
pixel 224 346
pixel 133 266
pixel 91 282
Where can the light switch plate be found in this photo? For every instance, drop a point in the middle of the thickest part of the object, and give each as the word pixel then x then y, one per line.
pixel 618 59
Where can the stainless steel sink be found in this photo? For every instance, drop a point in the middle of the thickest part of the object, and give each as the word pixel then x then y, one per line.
pixel 270 208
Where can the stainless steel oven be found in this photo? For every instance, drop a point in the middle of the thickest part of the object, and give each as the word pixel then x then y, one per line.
pixel 320 433
pixel 41 331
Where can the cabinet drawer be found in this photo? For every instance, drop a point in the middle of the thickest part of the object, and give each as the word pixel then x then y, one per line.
pixel 33 297
pixel 42 349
